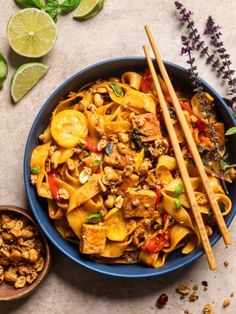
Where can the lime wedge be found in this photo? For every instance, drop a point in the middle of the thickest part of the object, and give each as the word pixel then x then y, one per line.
pixel 25 78
pixel 3 70
pixel 31 32
pixel 88 9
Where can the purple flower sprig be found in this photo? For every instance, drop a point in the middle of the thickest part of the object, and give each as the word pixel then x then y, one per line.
pixel 188 49
pixel 213 31
pixel 220 59
pixel 194 35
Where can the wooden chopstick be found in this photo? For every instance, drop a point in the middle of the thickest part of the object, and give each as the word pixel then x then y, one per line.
pixel 182 167
pixel 196 156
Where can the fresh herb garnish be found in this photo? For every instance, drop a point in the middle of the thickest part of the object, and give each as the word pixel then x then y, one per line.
pixel 178 191
pixel 109 148
pixel 30 3
pixel 136 139
pixel 117 89
pixel 96 163
pixel 178 203
pixel 219 59
pixel 52 7
pixel 93 218
pixel 3 70
pixel 231 131
pixel 35 170
pixel 224 165
pixel 68 6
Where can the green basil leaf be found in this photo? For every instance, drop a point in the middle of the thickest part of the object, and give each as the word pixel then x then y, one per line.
pixel 109 148
pixel 231 131
pixel 96 163
pixel 178 190
pixel 178 203
pixel 117 89
pixel 51 8
pixel 35 170
pixel 93 218
pixel 69 5
pixel 224 165
pixel 30 3
pixel 136 139
pixel 3 70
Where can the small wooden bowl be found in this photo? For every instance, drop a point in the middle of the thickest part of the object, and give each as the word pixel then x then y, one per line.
pixel 7 291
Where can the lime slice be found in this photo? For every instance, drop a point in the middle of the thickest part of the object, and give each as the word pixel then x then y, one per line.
pixel 3 70
pixel 31 32
pixel 88 9
pixel 25 78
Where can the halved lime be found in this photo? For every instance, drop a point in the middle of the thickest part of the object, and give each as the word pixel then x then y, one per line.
pixel 25 78
pixel 88 9
pixel 31 32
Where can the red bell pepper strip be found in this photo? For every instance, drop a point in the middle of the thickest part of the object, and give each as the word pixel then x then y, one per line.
pixel 158 194
pixel 91 145
pixel 53 185
pixel 146 81
pixel 164 217
pixel 200 124
pixel 156 244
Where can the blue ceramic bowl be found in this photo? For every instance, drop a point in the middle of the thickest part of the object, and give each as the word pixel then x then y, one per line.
pixel 100 70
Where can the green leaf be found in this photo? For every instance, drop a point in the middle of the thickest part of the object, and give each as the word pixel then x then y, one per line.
pixel 109 148
pixel 93 218
pixel 117 89
pixel 51 8
pixel 178 190
pixel 68 6
pixel 30 4
pixel 136 139
pixel 231 131
pixel 178 203
pixel 96 163
pixel 224 165
pixel 35 170
pixel 3 70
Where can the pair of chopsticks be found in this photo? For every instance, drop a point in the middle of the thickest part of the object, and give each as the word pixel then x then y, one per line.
pixel 179 157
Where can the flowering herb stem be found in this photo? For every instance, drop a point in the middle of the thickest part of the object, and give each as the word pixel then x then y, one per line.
pixel 220 63
pixel 213 31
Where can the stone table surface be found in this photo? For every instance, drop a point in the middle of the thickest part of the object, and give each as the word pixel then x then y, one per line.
pixel 117 31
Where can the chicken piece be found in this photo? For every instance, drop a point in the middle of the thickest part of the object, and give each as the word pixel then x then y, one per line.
pixel 147 124
pixel 139 203
pixel 93 239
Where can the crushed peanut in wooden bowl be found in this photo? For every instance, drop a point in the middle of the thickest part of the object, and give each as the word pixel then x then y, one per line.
pixel 25 256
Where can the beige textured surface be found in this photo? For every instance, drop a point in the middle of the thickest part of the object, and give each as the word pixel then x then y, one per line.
pixel 117 31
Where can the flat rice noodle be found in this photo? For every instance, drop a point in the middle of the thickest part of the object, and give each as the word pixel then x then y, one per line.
pixel 66 153
pixel 94 205
pixel 134 99
pixel 76 218
pixel 177 234
pixel 115 249
pixel 85 192
pixel 117 126
pixel 118 228
pixel 155 260
pixel 180 215
pixel 54 211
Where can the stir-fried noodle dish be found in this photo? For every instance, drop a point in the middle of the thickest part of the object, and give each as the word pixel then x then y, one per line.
pixel 107 169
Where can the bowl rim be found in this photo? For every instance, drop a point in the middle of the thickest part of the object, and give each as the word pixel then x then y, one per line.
pixel 198 252
pixel 27 290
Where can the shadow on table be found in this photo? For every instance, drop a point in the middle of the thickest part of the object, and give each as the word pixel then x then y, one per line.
pixel 99 285
pixel 93 283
